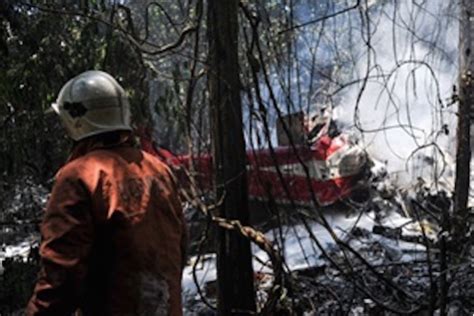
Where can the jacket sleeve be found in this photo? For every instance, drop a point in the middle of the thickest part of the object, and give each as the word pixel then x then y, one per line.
pixel 67 235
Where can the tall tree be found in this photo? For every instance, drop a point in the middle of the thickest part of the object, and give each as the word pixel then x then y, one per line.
pixel 235 273
pixel 466 110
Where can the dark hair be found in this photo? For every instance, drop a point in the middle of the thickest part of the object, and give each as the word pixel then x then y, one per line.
pixel 110 138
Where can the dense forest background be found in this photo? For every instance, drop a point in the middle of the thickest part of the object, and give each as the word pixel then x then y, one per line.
pixel 386 70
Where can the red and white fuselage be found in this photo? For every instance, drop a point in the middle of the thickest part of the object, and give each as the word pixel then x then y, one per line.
pixel 317 174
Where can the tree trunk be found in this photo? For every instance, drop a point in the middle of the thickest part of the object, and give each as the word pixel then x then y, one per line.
pixel 234 259
pixel 466 110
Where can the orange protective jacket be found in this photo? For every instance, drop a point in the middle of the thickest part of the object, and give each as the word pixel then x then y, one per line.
pixel 113 236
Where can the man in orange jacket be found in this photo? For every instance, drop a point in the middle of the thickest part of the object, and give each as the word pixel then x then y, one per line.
pixel 113 235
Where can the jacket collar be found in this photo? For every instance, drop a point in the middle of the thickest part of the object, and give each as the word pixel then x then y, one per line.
pixel 102 141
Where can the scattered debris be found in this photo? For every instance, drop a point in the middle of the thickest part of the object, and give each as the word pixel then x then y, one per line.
pixel 380 259
pixel 378 255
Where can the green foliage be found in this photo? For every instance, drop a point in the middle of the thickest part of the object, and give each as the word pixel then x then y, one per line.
pixel 39 52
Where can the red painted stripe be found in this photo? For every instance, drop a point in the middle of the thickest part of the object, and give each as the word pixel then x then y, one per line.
pixel 265 182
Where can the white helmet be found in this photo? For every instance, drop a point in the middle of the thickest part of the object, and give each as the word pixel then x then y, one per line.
pixel 92 103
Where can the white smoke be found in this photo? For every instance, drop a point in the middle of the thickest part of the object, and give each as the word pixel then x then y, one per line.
pixel 403 110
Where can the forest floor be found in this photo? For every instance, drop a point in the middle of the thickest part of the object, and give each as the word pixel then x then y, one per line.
pixel 387 261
